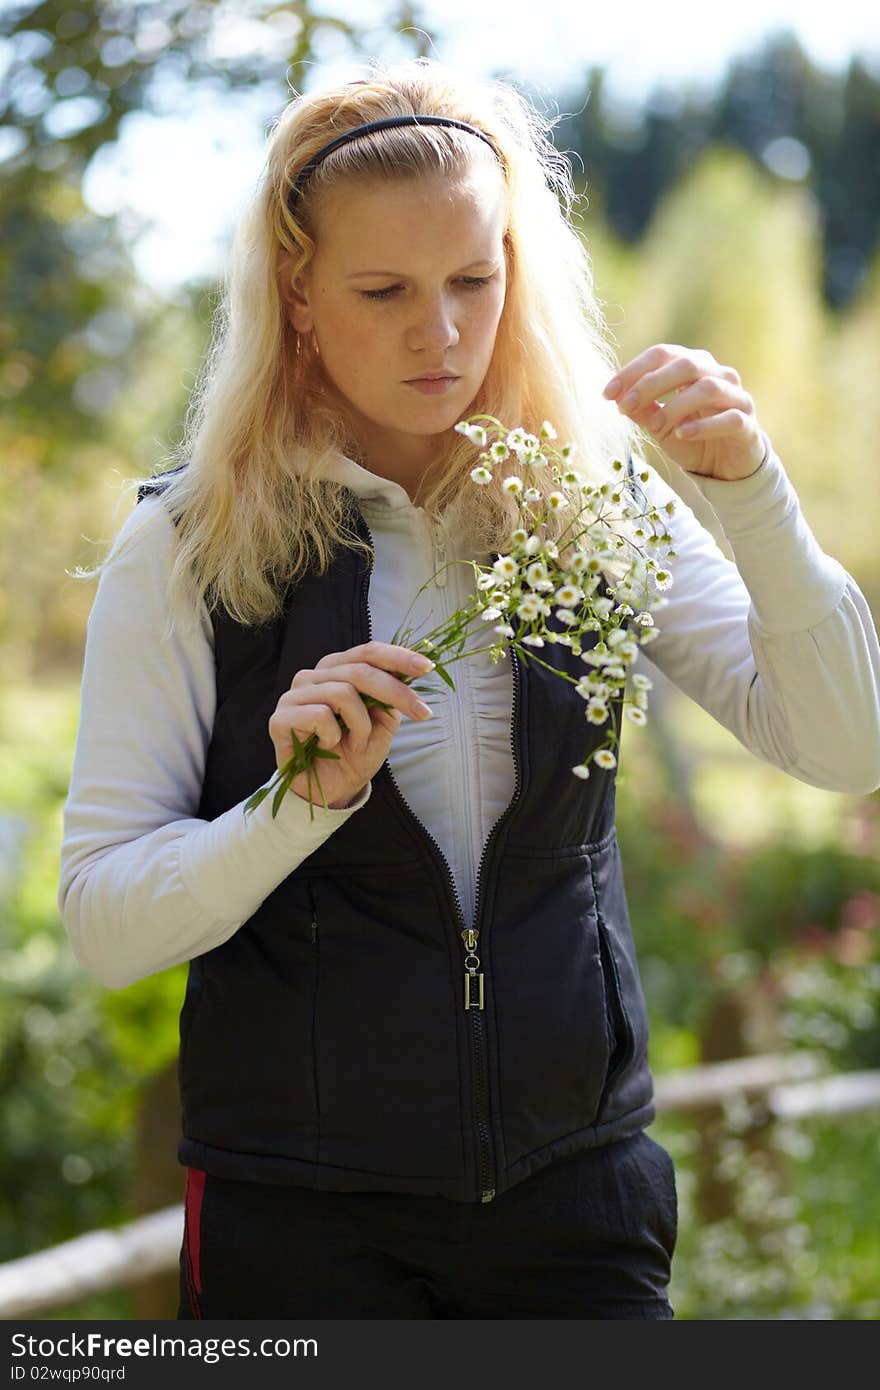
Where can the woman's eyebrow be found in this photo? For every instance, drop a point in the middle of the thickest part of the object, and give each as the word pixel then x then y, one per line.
pixel 399 274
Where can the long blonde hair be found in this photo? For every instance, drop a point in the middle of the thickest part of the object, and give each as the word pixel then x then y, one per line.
pixel 252 509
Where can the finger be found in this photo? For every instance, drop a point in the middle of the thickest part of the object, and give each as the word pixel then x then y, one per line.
pixel 676 375
pixel 631 371
pixel 654 358
pixel 370 680
pixel 705 398
pixel 346 703
pixel 386 655
pixel 305 720
pixel 730 423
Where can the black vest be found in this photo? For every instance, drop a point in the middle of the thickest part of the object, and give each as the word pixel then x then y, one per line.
pixel 343 1038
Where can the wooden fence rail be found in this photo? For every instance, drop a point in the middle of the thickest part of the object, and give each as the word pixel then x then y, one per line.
pixel 788 1086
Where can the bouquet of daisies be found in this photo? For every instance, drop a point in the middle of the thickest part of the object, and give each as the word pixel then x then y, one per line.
pixel 609 532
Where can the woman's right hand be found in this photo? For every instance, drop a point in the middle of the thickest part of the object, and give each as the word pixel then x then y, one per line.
pixel 334 687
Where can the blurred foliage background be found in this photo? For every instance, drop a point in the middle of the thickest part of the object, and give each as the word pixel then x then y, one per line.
pixel 746 222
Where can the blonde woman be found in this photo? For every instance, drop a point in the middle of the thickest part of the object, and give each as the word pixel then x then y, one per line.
pixel 360 1137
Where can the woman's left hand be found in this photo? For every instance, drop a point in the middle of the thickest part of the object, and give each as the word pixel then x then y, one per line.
pixel 722 440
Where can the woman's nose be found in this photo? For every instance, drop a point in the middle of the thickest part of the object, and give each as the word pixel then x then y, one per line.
pixel 433 325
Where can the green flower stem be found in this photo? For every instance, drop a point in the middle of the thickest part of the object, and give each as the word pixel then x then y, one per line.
pixel 446 643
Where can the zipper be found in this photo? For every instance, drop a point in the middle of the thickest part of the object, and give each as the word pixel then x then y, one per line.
pixel 473 976
pixel 622 1037
pixel 438 541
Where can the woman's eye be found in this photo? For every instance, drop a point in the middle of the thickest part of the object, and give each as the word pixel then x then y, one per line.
pixel 471 282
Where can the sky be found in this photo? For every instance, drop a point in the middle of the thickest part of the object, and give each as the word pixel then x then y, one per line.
pixel 181 180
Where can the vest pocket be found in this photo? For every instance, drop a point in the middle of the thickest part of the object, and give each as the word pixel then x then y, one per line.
pixel 627 1083
pixel 247 1066
pixel 620 1035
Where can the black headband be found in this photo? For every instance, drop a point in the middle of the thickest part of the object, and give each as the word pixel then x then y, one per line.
pixel 388 121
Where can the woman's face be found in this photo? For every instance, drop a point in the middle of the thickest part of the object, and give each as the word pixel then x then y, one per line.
pixel 407 281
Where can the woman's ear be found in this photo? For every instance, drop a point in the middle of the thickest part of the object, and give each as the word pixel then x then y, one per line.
pixel 295 294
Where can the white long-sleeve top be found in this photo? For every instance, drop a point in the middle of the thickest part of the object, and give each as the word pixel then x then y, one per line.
pixel 778 645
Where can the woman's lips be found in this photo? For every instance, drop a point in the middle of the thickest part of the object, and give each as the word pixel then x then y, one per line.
pixel 435 386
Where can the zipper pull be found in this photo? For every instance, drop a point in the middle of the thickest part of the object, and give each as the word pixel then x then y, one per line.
pixel 438 540
pixel 473 977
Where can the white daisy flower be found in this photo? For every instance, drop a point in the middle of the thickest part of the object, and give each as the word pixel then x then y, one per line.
pixel 537 460
pixel 547 430
pixel 500 598
pixel 641 699
pixel 519 537
pixel 557 500
pixel 499 451
pixel 532 641
pixel 506 566
pixel 603 757
pixel 566 617
pixel 489 615
pixel 578 562
pixel 635 715
pixel 536 572
pixel 568 595
pixel 597 711
pixel 602 607
pixel 567 450
pixel 645 619
pixel 532 494
pixel 662 578
pixel 475 433
pixel 533 545
pixel 513 485
pixel 642 682
pixel 529 609
pixel 615 638
pixel 515 440
pixel 627 651
pixel 581 771
pixel 503 630
pixel 481 475
pixel 624 610
pixel 485 581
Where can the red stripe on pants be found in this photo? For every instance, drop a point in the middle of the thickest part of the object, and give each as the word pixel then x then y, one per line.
pixel 195 1187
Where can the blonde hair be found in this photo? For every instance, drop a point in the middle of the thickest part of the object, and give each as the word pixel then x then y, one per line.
pixel 252 509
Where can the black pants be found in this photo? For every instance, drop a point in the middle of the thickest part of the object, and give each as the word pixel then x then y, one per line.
pixel 590 1236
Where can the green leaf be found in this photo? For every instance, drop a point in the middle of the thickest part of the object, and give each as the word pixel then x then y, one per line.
pixel 444 675
pixel 253 801
pixel 283 786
